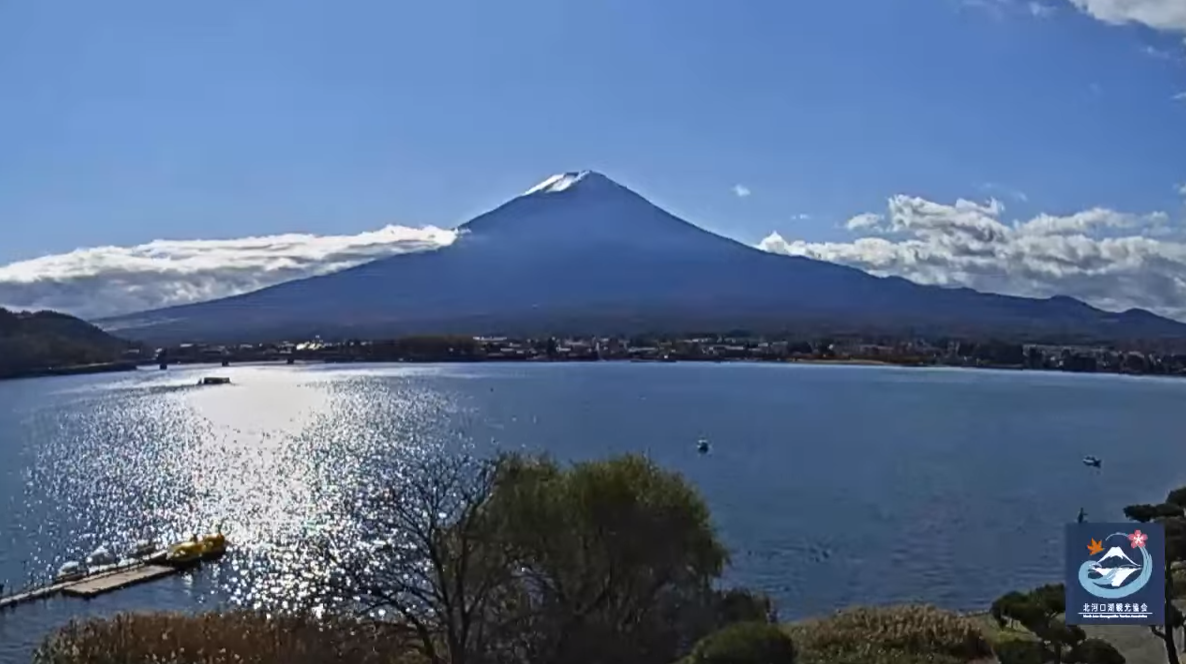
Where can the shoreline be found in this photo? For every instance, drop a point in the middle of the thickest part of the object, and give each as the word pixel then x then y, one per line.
pixel 73 370
pixel 853 361
pixel 129 366
pixel 857 362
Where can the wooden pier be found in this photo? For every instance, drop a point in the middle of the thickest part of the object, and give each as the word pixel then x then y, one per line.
pixel 105 583
pixel 33 595
pixel 147 569
pixel 104 580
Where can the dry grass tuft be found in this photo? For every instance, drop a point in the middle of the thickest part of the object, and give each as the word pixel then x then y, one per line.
pixel 890 635
pixel 222 638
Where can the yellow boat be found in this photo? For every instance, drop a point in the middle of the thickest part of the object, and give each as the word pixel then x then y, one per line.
pixel 185 552
pixel 197 548
pixel 213 545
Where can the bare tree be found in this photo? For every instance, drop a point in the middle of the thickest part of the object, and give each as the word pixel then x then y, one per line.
pixel 423 552
pixel 516 559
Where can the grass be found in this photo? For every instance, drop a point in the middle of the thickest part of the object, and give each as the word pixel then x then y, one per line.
pixel 1135 642
pixel 890 635
pixel 995 634
pixel 221 638
pixel 883 635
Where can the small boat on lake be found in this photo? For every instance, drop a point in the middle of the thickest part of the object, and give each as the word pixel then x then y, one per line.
pixel 214 380
pixel 702 446
pixel 101 557
pixel 1093 461
pixel 213 545
pixel 144 548
pixel 185 553
pixel 71 571
pixel 206 547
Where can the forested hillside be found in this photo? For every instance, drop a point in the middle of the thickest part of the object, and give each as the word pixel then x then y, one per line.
pixel 31 343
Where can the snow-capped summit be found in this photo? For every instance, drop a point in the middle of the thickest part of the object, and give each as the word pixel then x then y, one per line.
pixel 574 210
pixel 559 182
pixel 586 181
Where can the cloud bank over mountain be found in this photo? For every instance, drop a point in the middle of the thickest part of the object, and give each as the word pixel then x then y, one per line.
pixel 1110 259
pixel 104 281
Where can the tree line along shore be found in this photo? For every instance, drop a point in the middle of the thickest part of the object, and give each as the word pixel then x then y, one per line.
pixel 48 343
pixel 702 348
pixel 522 560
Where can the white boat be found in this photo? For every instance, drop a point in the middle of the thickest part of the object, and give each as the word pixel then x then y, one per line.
pixel 144 548
pixel 702 445
pixel 101 569
pixel 101 557
pixel 71 571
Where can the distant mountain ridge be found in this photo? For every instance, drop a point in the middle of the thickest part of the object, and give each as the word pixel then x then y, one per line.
pixel 580 253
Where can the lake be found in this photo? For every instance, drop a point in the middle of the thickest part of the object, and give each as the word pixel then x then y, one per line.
pixel 832 485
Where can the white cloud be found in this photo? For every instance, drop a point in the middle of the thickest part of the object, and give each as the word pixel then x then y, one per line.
pixel 1040 10
pixel 1001 9
pixel 1162 15
pixel 106 281
pixel 1016 194
pixel 1181 96
pixel 741 191
pixel 867 221
pixel 802 216
pixel 1111 259
pixel 1161 53
pixel 1165 15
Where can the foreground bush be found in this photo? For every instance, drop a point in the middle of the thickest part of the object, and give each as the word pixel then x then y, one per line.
pixel 1016 651
pixel 1095 651
pixel 219 638
pixel 520 559
pixel 890 635
pixel 745 643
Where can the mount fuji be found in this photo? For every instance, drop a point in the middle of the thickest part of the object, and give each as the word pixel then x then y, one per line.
pixel 580 253
pixel 1114 567
pixel 1117 556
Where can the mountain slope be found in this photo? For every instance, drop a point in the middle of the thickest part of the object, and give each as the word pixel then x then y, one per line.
pixel 581 253
pixel 33 342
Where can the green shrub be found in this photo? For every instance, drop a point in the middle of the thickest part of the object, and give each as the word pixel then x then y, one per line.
pixel 1005 605
pixel 1093 651
pixel 745 643
pixel 631 545
pixel 740 605
pixel 1178 581
pixel 898 635
pixel 1021 652
pixel 221 638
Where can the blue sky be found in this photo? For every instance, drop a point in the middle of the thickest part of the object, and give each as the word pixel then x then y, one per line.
pixel 124 122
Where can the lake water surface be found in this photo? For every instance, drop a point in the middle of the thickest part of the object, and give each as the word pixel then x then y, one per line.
pixel 832 485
